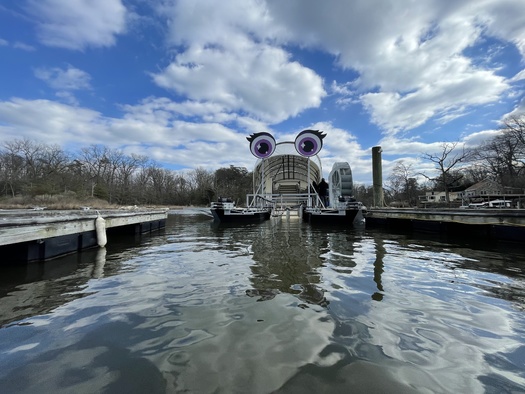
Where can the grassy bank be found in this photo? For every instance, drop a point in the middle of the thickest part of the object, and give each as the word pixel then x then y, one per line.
pixel 68 202
pixel 54 202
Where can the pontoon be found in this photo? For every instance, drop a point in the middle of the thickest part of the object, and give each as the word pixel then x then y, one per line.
pixel 284 178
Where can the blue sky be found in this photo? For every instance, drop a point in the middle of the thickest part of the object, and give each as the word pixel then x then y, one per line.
pixel 184 82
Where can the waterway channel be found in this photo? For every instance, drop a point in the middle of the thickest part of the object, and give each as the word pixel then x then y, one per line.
pixel 273 307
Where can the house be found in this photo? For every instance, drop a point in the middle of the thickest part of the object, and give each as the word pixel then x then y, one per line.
pixel 482 189
pixel 437 197
pixel 494 195
pixel 484 194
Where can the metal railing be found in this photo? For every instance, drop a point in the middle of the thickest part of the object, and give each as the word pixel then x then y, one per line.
pixel 284 201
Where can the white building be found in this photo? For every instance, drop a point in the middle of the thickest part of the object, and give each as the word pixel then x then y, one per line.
pixel 437 197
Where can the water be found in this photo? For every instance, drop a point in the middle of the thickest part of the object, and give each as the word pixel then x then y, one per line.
pixel 275 307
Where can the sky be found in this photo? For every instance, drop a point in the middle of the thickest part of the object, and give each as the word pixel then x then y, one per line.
pixel 184 82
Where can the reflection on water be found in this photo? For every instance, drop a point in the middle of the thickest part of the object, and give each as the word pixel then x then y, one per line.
pixel 287 259
pixel 279 306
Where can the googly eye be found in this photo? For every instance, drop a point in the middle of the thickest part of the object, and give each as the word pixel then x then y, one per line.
pixel 262 145
pixel 309 142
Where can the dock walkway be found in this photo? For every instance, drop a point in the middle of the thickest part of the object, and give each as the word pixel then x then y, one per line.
pixel 498 224
pixel 29 235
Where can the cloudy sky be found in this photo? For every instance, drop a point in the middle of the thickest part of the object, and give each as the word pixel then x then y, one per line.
pixel 185 81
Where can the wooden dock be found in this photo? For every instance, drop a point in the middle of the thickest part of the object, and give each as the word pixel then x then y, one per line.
pixel 35 235
pixel 495 224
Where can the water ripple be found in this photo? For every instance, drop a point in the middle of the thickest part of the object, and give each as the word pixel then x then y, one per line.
pixel 278 306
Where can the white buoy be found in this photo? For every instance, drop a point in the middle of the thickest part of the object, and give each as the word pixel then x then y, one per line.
pixel 100 228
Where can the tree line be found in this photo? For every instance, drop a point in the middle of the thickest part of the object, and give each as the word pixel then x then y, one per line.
pixel 500 159
pixel 30 169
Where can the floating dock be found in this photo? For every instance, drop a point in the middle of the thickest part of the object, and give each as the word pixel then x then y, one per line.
pixel 37 235
pixel 494 224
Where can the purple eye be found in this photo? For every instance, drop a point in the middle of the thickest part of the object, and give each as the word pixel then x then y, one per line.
pixel 309 142
pixel 262 145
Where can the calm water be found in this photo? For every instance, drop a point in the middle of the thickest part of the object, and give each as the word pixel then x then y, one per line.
pixel 273 307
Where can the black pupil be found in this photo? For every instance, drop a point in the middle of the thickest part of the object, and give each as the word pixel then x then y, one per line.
pixel 308 146
pixel 263 148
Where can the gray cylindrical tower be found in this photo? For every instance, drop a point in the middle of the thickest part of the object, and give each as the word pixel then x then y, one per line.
pixel 377 175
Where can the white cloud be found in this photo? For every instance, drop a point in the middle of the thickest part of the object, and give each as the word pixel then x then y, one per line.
pixel 67 97
pixel 70 78
pixel 23 46
pixel 176 142
pixel 505 19
pixel 228 58
pixel 167 112
pixel 340 145
pixel 411 57
pixel 208 21
pixel 238 66
pixel 65 81
pixel 344 89
pixel 518 77
pixel 77 24
pixel 154 128
pixel 18 45
pixel 345 93
pixel 519 110
pixel 48 121
pixel 412 151
pixel 259 80
pixel 447 97
pixel 394 146
pixel 407 53
pixel 475 139
pixel 161 108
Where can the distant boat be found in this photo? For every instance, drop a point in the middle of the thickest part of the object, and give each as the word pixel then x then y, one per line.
pixel 499 204
pixel 224 210
pixel 492 204
pixel 284 178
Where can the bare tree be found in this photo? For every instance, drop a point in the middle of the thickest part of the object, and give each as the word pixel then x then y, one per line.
pixel 25 153
pixel 403 184
pixel 476 173
pixel 446 160
pixel 234 182
pixel 515 125
pixel 503 156
pixel 11 170
pixel 125 172
pixel 28 168
pixel 94 162
pixel 365 194
pixel 38 168
pixel 54 164
pixel 201 182
pixel 181 190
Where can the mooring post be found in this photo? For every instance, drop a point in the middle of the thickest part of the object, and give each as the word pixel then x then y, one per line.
pixel 377 175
